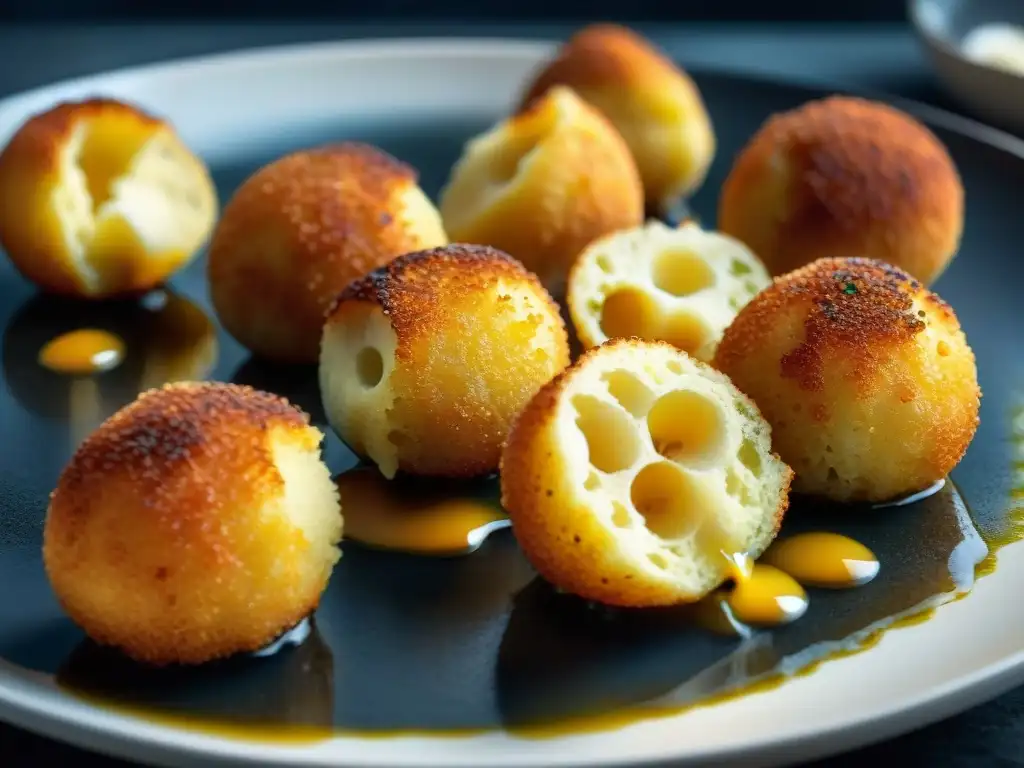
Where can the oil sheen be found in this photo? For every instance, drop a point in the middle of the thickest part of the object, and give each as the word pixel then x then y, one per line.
pixel 454 645
pixel 82 352
pixel 417 518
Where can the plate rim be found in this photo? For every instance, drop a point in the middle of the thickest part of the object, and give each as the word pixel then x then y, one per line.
pixel 124 733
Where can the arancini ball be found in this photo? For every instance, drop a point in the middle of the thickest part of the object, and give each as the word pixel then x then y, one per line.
pixel 844 177
pixel 681 285
pixel 195 523
pixel 302 228
pixel 543 184
pixel 637 476
pixel 426 362
pixel 651 101
pixel 100 199
pixel 864 375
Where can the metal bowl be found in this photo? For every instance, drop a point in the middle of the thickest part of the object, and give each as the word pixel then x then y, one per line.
pixel 992 93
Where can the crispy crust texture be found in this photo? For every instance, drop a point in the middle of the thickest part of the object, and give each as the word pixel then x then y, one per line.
pixel 33 185
pixel 845 177
pixel 603 56
pixel 858 310
pixel 412 288
pixel 475 335
pixel 165 535
pixel 864 375
pixel 577 182
pixel 303 227
pixel 651 101
pixel 559 532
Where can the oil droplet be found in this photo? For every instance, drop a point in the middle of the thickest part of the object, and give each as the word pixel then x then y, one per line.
pixel 82 352
pixel 820 559
pixel 767 597
pixel 382 514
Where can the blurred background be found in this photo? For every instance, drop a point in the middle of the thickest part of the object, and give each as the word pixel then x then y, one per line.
pixel 457 10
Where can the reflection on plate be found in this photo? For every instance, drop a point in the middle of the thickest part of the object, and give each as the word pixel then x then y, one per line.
pixel 461 644
pixel 166 338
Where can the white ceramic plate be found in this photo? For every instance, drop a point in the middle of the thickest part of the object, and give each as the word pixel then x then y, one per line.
pixel 228 108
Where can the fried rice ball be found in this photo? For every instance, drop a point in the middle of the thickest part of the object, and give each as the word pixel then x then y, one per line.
pixel 652 102
pixel 196 523
pixel 302 228
pixel 426 362
pixel 98 198
pixel 542 184
pixel 635 477
pixel 864 375
pixel 681 285
pixel 845 177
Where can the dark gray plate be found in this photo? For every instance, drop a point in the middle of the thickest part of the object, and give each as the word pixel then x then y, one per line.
pixel 477 642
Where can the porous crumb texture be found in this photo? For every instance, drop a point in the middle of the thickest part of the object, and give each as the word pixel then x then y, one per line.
pixel 195 523
pixel 542 184
pixel 98 198
pixel 634 474
pixel 865 376
pixel 653 104
pixel 682 286
pixel 845 177
pixel 426 362
pixel 302 228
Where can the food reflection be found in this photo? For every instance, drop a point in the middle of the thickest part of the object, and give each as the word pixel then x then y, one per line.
pixel 563 657
pixel 165 338
pixel 566 665
pixel 287 695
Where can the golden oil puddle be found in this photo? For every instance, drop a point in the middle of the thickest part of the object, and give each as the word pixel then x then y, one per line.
pixel 95 357
pixel 424 519
pixel 465 645
pixel 82 352
pixel 822 559
pixel 409 644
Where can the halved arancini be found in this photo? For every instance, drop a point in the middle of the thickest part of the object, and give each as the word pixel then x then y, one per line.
pixel 636 476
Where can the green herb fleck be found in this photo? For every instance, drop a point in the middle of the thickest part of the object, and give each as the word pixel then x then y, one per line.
pixel 849 289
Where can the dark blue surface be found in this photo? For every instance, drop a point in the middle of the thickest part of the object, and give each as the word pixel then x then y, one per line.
pixel 878 58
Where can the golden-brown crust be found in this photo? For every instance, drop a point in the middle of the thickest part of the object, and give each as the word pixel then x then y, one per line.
pixel 298 231
pixel 161 510
pixel 830 352
pixel 581 183
pixel 845 177
pixel 408 287
pixel 41 138
pixel 178 423
pixel 601 56
pixel 650 100
pixel 476 334
pixel 30 166
pixel 855 308
pixel 577 554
